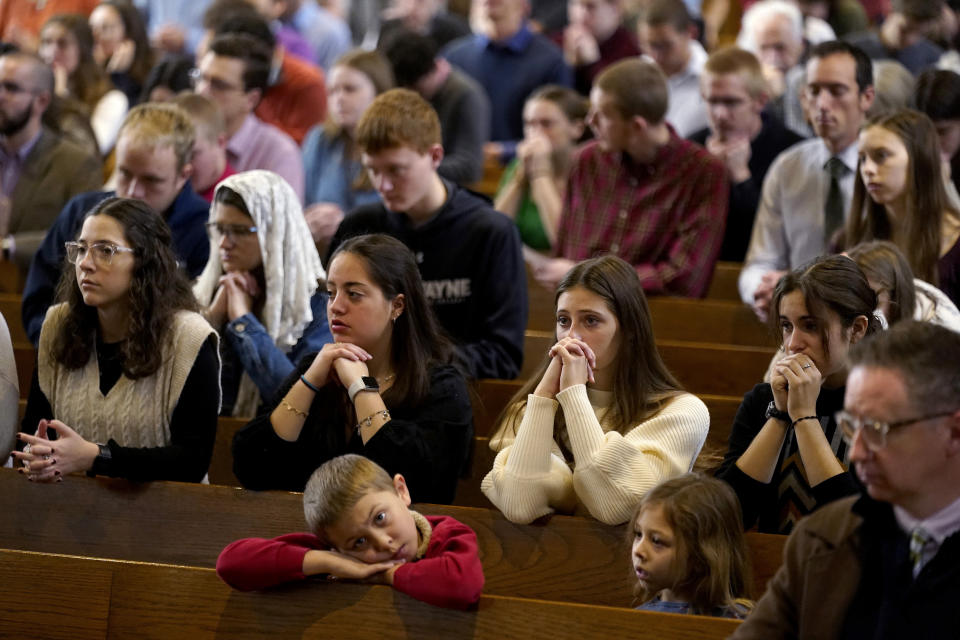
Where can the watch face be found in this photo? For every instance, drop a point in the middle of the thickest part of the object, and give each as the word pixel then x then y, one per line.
pixel 370 382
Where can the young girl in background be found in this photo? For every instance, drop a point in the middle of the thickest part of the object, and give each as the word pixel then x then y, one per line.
pixel 688 550
pixel 66 44
pixel 336 182
pixel 531 191
pixel 901 197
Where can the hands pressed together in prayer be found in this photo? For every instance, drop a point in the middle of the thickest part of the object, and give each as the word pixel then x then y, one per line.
pixel 234 297
pixel 572 362
pixel 796 382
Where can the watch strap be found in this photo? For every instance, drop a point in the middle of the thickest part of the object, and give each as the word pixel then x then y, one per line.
pixel 365 383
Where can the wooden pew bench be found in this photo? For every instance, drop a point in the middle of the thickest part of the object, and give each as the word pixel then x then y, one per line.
pixel 701 367
pixel 87 598
pixel 10 308
pixel 709 320
pixel 565 558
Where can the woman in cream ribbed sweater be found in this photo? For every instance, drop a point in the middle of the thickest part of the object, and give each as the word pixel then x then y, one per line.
pixel 603 421
pixel 127 377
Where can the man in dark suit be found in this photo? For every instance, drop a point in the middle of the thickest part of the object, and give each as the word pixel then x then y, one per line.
pixel 39 170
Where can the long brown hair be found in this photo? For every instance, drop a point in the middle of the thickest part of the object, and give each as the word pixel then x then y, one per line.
pixel 883 263
pixel 418 342
pixel 158 290
pixel 134 30
pixel 641 382
pixel 828 283
pixel 88 82
pixel 926 196
pixel 711 552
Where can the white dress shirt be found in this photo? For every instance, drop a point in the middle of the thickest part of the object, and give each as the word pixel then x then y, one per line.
pixel 686 110
pixel 789 228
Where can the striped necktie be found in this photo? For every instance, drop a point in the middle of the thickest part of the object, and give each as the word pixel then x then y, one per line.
pixel 919 539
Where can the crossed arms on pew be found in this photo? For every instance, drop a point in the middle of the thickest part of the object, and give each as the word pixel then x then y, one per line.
pixel 449 574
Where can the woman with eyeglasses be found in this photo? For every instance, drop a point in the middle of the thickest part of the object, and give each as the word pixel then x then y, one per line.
pixel 260 287
pixel 786 456
pixel 126 382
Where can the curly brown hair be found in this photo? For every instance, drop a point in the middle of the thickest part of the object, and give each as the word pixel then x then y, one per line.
pixel 158 290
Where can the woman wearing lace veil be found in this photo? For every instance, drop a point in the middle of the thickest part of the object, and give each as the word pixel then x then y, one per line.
pixel 259 287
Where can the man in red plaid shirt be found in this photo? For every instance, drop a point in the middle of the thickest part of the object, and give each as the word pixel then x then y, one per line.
pixel 641 192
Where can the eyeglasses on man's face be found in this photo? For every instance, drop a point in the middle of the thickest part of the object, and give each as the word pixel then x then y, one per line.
pixel 233 232
pixel 103 252
pixel 874 432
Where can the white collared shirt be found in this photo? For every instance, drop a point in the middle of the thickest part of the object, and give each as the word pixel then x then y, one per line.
pixel 940 526
pixel 789 228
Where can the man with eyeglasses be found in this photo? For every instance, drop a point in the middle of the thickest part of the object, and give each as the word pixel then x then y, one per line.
pixel 154 149
pixel 742 135
pixel 234 73
pixel 885 564
pixel 39 170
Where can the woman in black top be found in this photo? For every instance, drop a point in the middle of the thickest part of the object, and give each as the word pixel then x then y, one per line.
pixel 786 456
pixel 387 389
pixel 127 376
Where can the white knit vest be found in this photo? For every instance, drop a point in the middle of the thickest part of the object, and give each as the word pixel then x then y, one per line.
pixel 135 413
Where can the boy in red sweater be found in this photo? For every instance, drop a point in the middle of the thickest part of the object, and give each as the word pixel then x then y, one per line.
pixel 364 531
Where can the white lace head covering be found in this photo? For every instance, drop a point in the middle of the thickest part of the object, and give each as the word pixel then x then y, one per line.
pixel 291 264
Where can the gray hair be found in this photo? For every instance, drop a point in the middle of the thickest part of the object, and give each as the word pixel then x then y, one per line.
pixel 926 355
pixel 766 10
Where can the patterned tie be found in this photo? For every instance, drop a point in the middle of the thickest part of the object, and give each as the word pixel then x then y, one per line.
pixel 833 207
pixel 919 538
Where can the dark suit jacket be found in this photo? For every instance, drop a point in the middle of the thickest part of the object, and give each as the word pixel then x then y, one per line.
pixel 54 171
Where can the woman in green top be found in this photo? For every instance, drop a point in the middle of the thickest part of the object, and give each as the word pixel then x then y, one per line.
pixel 531 191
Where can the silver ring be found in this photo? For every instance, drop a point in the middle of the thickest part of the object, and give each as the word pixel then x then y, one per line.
pixel 806 366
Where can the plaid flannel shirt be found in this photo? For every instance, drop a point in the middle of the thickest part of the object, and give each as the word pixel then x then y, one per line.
pixel 666 218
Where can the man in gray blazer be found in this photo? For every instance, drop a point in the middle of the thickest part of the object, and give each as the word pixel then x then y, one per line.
pixel 39 170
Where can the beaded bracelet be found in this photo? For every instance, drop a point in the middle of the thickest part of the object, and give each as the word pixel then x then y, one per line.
pixel 290 407
pixel 794 425
pixel 366 422
pixel 310 385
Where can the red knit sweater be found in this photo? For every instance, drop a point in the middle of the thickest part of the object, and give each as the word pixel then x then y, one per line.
pixel 448 575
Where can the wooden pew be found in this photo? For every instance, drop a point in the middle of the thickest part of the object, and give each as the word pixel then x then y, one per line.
pixel 494 395
pixel 10 308
pixel 565 558
pixel 80 598
pixel 723 286
pixel 490 182
pixel 701 367
pixel 11 281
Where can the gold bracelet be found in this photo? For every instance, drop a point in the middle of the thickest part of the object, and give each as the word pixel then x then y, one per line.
pixel 366 422
pixel 290 407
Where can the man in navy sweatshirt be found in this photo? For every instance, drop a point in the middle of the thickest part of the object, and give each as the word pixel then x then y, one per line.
pixel 469 255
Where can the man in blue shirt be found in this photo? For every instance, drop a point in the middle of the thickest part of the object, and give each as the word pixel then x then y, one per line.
pixel 510 62
pixel 153 165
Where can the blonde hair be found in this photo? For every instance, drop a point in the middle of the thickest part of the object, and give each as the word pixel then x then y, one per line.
pixel 204 113
pixel 731 60
pixel 711 557
pixel 337 486
pixel 155 124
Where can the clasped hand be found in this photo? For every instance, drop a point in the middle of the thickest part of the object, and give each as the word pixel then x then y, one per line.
pixel 347 362
pixel 572 362
pixel 796 384
pixel 50 460
pixel 234 297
